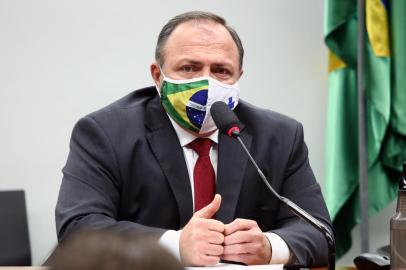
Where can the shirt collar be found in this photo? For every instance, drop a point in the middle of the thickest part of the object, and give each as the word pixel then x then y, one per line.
pixel 186 137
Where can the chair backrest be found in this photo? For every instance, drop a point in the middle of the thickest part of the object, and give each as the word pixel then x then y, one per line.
pixel 14 238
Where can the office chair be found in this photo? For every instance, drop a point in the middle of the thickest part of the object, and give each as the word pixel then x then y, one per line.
pixel 14 238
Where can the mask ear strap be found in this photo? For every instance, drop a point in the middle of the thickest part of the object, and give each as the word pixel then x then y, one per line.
pixel 163 75
pixel 158 88
pixel 161 71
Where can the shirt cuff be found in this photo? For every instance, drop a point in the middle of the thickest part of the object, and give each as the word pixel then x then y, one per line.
pixel 170 241
pixel 280 250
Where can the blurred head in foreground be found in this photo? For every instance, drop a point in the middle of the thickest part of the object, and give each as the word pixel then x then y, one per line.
pixel 107 250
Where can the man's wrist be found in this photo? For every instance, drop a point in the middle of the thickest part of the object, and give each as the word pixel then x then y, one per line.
pixel 280 253
pixel 270 248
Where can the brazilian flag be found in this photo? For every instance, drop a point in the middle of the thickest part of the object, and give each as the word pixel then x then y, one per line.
pixel 385 89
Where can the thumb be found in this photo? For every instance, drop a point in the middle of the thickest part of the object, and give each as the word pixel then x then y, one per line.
pixel 209 210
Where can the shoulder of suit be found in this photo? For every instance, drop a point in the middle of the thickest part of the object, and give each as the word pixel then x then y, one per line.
pixel 134 101
pixel 257 117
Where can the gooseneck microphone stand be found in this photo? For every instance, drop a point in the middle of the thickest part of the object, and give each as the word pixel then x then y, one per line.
pixel 295 208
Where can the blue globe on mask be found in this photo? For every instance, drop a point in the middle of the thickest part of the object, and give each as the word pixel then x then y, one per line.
pixel 196 108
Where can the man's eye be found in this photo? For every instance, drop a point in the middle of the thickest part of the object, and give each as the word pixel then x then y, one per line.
pixel 188 69
pixel 222 71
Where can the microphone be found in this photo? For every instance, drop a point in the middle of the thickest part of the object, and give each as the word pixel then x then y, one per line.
pixel 228 124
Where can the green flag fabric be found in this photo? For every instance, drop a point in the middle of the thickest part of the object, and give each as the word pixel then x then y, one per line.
pixel 385 116
pixel 394 150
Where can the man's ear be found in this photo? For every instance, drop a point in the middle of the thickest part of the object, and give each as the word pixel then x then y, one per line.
pixel 155 73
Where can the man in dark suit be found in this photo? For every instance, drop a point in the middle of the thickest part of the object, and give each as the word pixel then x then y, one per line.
pixel 138 165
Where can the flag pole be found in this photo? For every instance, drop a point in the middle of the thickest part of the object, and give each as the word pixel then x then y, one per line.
pixel 362 130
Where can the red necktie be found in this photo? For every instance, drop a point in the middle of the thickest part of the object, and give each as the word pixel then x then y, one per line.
pixel 203 173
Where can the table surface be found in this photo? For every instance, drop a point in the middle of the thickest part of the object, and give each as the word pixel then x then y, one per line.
pixel 44 268
pixel 23 268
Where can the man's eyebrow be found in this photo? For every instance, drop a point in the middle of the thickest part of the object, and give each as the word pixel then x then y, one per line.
pixel 189 61
pixel 222 64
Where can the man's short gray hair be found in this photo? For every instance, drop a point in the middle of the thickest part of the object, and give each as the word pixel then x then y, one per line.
pixel 193 16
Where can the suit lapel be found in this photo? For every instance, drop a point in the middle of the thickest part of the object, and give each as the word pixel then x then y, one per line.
pixel 166 148
pixel 230 173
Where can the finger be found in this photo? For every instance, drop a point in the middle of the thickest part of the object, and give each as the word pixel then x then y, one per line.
pixel 209 210
pixel 238 225
pixel 245 248
pixel 207 224
pixel 209 260
pixel 215 238
pixel 214 250
pixel 239 237
pixel 215 225
pixel 242 258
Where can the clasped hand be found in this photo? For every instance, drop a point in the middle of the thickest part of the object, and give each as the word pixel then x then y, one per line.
pixel 205 241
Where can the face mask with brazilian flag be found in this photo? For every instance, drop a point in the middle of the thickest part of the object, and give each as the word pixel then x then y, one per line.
pixel 188 102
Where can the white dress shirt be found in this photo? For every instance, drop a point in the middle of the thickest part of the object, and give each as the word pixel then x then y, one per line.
pixel 170 239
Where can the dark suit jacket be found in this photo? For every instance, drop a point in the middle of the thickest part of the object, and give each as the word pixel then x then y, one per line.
pixel 126 171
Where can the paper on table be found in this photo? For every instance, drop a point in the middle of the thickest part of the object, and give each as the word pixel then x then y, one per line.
pixel 221 266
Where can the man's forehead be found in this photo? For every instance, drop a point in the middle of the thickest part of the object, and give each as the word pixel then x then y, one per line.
pixel 200 32
pixel 203 40
pixel 201 29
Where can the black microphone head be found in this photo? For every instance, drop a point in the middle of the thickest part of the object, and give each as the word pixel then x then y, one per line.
pixel 225 119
